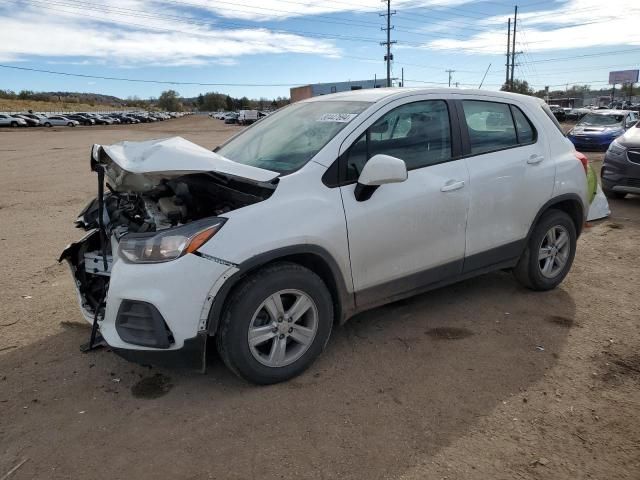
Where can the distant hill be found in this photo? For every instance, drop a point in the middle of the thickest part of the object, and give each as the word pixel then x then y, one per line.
pixel 87 98
pixel 92 99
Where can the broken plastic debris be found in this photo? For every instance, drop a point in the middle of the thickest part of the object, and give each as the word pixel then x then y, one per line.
pixel 26 296
pixel 540 348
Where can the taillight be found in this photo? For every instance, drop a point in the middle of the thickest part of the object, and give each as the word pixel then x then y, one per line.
pixel 583 159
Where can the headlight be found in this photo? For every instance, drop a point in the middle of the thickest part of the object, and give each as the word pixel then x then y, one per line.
pixel 168 244
pixel 615 147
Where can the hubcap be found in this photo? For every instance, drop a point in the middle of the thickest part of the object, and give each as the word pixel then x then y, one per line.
pixel 554 250
pixel 283 328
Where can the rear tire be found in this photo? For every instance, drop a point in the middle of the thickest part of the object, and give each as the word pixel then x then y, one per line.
pixel 251 310
pixel 47 124
pixel 549 254
pixel 14 124
pixel 612 194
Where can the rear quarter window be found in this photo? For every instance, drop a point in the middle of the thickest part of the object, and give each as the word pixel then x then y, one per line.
pixel 547 110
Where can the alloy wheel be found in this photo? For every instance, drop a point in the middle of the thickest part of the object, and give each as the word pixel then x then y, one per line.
pixel 283 328
pixel 554 251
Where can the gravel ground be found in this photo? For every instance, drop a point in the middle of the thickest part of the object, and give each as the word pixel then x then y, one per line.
pixel 478 380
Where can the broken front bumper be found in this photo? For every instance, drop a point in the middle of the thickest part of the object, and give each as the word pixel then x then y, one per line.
pixel 151 311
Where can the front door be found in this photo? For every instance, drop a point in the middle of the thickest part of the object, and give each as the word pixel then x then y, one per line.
pixel 410 234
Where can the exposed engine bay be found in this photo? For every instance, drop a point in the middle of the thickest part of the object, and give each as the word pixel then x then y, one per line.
pixel 171 203
pixel 136 197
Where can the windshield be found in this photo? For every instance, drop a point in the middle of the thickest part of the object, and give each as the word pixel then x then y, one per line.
pixel 601 120
pixel 286 140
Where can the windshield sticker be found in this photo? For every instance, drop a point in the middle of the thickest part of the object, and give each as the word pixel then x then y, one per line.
pixel 337 117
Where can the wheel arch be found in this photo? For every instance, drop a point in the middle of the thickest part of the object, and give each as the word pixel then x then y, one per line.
pixel 315 258
pixel 571 204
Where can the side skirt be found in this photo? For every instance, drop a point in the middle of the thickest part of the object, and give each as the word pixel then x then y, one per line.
pixel 500 258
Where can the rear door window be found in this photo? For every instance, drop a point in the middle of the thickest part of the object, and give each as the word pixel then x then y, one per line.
pixel 490 126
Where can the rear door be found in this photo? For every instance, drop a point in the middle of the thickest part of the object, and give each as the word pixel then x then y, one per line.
pixel 409 234
pixel 511 177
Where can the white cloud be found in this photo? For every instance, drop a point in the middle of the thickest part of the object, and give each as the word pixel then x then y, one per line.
pixel 117 33
pixel 283 9
pixel 573 24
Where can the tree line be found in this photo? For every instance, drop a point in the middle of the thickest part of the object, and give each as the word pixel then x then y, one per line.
pixel 169 100
pixel 575 91
pixel 213 101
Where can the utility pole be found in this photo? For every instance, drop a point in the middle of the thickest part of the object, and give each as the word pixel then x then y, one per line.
pixel 402 82
pixel 388 57
pixel 506 81
pixel 450 72
pixel 513 46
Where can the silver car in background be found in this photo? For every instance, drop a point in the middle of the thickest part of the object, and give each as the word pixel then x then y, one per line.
pixel 9 121
pixel 59 121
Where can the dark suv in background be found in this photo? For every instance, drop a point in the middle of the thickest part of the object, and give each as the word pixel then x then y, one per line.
pixel 621 168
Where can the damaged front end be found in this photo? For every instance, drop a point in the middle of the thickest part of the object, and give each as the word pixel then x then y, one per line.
pixel 157 202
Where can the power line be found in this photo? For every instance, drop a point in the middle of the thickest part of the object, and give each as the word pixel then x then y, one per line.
pixel 46 5
pixel 129 12
pixel 228 84
pixel 587 55
pixel 164 82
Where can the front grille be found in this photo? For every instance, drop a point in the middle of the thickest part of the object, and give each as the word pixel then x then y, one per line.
pixel 634 156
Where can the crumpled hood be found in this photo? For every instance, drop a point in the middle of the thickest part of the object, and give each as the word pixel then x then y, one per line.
pixel 141 165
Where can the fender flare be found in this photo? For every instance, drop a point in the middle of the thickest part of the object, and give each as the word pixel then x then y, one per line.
pixel 571 197
pixel 344 301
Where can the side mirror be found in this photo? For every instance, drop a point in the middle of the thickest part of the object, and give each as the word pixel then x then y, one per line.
pixel 379 170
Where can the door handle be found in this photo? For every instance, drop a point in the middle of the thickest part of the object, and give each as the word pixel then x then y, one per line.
pixel 535 158
pixel 452 185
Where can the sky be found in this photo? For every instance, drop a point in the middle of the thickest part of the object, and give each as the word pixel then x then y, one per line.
pixel 261 49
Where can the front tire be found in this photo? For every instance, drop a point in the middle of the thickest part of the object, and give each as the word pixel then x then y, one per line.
pixel 276 323
pixel 549 254
pixel 47 124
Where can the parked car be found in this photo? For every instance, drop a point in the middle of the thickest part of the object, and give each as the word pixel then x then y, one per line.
pixel 101 120
pixel 59 121
pixel 30 121
pixel 82 119
pixel 559 113
pixel 620 174
pixel 9 121
pixel 247 117
pixel 114 120
pixel 328 207
pixel 597 129
pixel 35 116
pixel 231 117
pixel 124 118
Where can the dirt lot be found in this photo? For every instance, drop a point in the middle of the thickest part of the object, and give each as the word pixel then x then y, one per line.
pixel 480 380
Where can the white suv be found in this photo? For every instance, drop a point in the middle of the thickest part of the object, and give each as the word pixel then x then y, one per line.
pixel 326 208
